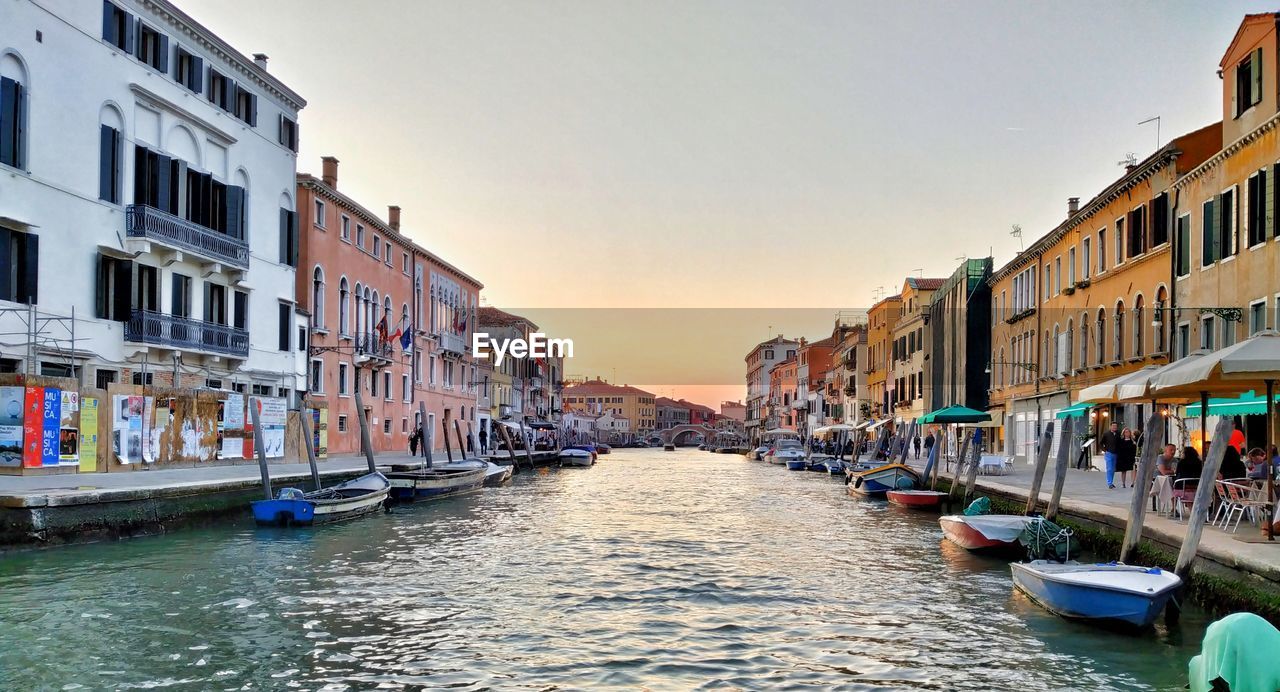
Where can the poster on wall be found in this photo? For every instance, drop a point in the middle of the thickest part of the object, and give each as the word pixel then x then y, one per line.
pixel 11 400
pixel 320 431
pixel 155 420
pixel 32 427
pixel 231 419
pixel 88 434
pixel 126 427
pixel 69 429
pixel 50 426
pixel 272 413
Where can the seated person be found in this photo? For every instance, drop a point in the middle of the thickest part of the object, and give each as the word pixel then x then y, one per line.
pixel 1167 461
pixel 1188 470
pixel 1232 466
pixel 1257 464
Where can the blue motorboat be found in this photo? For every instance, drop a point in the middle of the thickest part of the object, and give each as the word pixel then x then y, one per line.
pixel 438 480
pixel 836 467
pixel 1109 593
pixel 293 507
pixel 797 464
pixel 881 479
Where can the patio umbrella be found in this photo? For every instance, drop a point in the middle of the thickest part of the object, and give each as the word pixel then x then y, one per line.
pixel 1109 392
pixel 1078 410
pixel 1234 369
pixel 956 414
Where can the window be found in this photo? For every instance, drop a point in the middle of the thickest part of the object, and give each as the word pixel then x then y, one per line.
pixel 1137 222
pixel 386 385
pixel 1248 82
pixel 142 379
pixel 317 376
pixel 317 298
pixel 1228 333
pixel 288 133
pixel 102 378
pixel 117 27
pixel 20 266
pixel 241 318
pixel 1207 328
pixel 1184 340
pixel 344 308
pixel 404 262
pixel 189 70
pixel 1057 275
pixel 114 296
pixel 377 247
pixel 1102 250
pixel 1071 267
pixel 1256 214
pixel 153 48
pixel 1139 328
pixel 1160 220
pixel 373 384
pixel 302 338
pixel 346 228
pixel 360 236
pixel 1119 240
pixel 221 89
pixel 1210 240
pixel 211 383
pixel 1257 317
pixel 109 162
pixel 12 122
pixel 1100 334
pixel 215 303
pixel 404 386
pixel 1227 223
pixel 246 106
pixel 165 183
pixel 344 388
pixel 431 373
pixel 1182 246
pixel 342 423
pixel 286 325
pixel 180 298
pixel 288 237
pixel 320 213
pixel 386 426
pixel 1048 282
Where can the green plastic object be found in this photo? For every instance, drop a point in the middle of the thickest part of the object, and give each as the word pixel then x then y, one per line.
pixel 1045 540
pixel 1239 650
pixel 979 506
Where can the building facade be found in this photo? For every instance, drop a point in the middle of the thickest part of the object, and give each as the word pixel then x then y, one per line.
pixel 882 320
pixel 907 352
pixel 760 360
pixel 958 347
pixel 598 396
pixel 156 164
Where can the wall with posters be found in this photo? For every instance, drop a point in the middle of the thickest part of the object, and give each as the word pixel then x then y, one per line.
pixel 40 424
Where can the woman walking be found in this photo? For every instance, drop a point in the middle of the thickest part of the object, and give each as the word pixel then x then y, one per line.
pixel 1126 454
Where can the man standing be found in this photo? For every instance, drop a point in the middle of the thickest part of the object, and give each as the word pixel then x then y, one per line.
pixel 928 444
pixel 484 441
pixel 1110 443
pixel 915 443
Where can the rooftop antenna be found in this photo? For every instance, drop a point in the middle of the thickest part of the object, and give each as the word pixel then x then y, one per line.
pixel 1155 120
pixel 1128 161
pixel 920 272
pixel 1017 233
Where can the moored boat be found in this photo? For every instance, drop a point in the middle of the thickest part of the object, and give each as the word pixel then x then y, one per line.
pixel 757 453
pixel 986 532
pixel 797 464
pixel 439 480
pixel 881 479
pixel 574 456
pixel 602 448
pixel 293 507
pixel 916 499
pixel 1102 593
pixel 497 475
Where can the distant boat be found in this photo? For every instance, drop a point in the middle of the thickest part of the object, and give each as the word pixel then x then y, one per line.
pixel 757 453
pixel 668 447
pixel 575 456
pixel 439 480
pixel 292 507
pixel 497 475
pixel 916 499
pixel 985 532
pixel 787 452
pixel 1102 593
pixel 602 448
pixel 881 479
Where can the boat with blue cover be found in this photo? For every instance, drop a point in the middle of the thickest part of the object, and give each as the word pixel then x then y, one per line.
pixel 1109 593
pixel 881 479
pixel 293 507
pixel 438 480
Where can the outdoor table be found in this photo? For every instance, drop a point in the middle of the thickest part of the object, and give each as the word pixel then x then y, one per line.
pixel 1162 494
pixel 991 464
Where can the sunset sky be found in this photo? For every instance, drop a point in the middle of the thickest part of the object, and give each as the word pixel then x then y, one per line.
pixel 728 154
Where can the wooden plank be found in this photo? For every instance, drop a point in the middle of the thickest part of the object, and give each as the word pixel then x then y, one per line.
pixel 1042 459
pixel 1141 486
pixel 262 453
pixel 1066 447
pixel 366 443
pixel 304 422
pixel 444 428
pixel 1204 497
pixel 955 475
pixel 972 478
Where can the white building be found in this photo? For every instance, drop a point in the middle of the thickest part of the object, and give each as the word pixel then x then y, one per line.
pixel 580 426
pixel 147 183
pixel 613 427
pixel 760 360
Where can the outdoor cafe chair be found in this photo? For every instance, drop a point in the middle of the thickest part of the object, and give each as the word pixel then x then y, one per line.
pixel 1241 499
pixel 1184 493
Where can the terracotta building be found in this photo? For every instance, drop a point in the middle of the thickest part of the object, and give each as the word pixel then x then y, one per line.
pixel 882 318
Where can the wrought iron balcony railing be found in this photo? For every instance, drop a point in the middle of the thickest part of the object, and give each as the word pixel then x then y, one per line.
pixel 159 329
pixel 374 346
pixel 142 221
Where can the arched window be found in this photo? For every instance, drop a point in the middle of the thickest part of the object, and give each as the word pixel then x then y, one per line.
pixel 1001 366
pixel 404 317
pixel 1158 333
pixel 1139 331
pixel 359 301
pixel 110 154
pixel 1101 335
pixel 375 315
pixel 1119 340
pixel 1069 351
pixel 344 307
pixel 1084 340
pixel 13 110
pixel 317 298
pixel 1056 351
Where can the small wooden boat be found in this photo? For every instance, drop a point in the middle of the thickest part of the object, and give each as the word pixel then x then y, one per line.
pixel 758 453
pixel 603 448
pixel 881 479
pixel 797 464
pixel 439 480
pixel 916 499
pixel 1103 593
pixel 497 475
pixel 575 456
pixel 985 532
pixel 292 507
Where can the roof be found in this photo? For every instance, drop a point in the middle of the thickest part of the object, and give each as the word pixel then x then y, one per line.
pixel 696 407
pixel 490 316
pixel 779 339
pixel 1248 20
pixel 599 386
pixel 668 402
pixel 828 342
pixel 885 301
pixel 923 284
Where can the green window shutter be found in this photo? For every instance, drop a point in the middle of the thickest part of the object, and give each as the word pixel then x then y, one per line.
pixel 1270 213
pixel 1255 71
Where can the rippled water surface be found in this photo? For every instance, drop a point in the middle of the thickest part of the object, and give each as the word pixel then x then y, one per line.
pixel 661 570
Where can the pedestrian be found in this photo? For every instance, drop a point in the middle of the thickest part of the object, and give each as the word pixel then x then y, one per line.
pixel 484 441
pixel 1110 443
pixel 1187 477
pixel 928 444
pixel 413 442
pixel 915 442
pixel 1126 454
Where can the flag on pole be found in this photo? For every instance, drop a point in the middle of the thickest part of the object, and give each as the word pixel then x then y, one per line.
pixel 406 337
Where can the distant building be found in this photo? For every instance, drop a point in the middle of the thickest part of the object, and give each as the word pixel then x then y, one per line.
pixel 760 361
pixel 598 396
pixel 882 318
pixel 958 345
pixel 671 413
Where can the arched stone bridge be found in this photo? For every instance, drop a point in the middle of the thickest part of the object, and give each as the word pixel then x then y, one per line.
pixel 672 435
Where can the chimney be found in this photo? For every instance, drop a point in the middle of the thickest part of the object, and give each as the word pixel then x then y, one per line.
pixel 1073 205
pixel 393 218
pixel 330 175
pixel 260 59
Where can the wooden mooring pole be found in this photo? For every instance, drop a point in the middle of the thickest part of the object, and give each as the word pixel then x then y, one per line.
pixel 971 478
pixel 1042 459
pixel 1142 486
pixel 955 475
pixel 528 444
pixel 1066 446
pixel 425 433
pixel 1204 496
pixel 511 449
pixel 260 449
pixel 304 422
pixel 462 446
pixel 366 442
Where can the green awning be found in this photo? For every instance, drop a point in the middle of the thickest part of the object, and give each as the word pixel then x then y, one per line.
pixel 955 414
pixel 1248 403
pixel 1077 410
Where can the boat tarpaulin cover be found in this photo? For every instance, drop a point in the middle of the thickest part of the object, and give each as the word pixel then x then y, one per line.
pixel 1232 651
pixel 999 527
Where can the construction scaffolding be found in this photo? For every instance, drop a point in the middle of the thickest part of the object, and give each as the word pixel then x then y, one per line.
pixel 41 336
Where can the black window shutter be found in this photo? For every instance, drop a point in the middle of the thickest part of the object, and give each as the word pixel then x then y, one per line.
pixel 129 30
pixel 8 121
pixel 284 236
pixel 140 176
pixel 197 74
pixel 242 309
pixel 100 309
pixel 163 58
pixel 208 302
pixel 253 110
pixel 1270 213
pixel 106 164
pixel 281 137
pixel 164 183
pixel 293 239
pixel 122 299
pixel 235 212
pixel 108 22
pixel 28 279
pixel 8 258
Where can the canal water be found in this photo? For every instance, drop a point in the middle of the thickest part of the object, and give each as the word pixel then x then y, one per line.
pixel 656 570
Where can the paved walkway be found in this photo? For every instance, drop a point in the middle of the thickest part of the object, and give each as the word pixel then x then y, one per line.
pixel 1085 494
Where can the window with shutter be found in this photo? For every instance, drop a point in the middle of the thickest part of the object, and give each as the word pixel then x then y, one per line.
pixel 241 318
pixel 1226 219
pixel 1209 237
pixel 117 26
pixel 109 165
pixel 1182 244
pixel 114 299
pixel 11 125
pixel 286 319
pixel 1255 214
pixel 19 266
pixel 1160 220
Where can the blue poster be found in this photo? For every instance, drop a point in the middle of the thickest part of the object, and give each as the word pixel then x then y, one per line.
pixel 52 415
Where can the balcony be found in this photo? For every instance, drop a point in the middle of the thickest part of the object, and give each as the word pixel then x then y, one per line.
pixel 535 384
pixel 149 223
pixel 453 343
pixel 371 345
pixel 159 329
